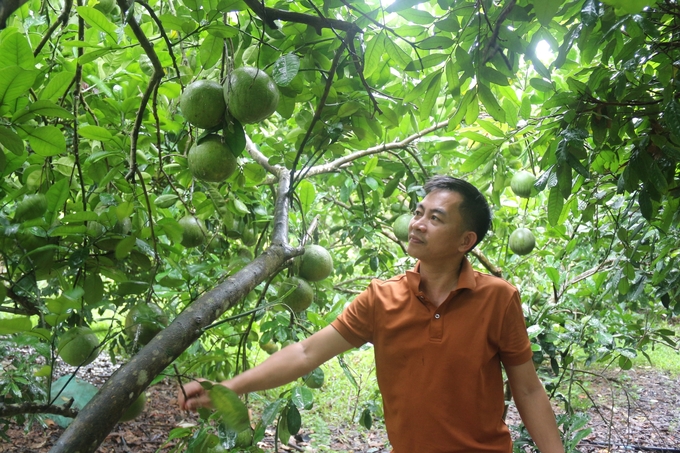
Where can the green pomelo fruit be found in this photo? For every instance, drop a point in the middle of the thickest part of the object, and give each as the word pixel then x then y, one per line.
pixel 248 237
pixel 400 227
pixel 522 241
pixel 202 104
pixel 316 264
pixel 144 321
pixel 315 379
pixel 211 160
pixel 269 347
pixel 79 346
pixel 193 231
pixel 135 409
pixel 31 207
pixel 251 95
pixel 522 183
pixel 244 439
pixel 301 296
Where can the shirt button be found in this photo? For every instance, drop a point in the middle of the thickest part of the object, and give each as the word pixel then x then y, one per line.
pixel 436 316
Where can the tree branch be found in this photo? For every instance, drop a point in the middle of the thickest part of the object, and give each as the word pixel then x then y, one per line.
pixel 10 410
pixel 269 15
pixel 7 7
pixel 101 414
pixel 340 162
pixel 154 82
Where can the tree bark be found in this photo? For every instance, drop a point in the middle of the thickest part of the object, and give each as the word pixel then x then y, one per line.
pixel 7 7
pixel 100 415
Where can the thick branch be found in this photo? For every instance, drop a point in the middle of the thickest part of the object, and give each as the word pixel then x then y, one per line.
pixel 7 7
pixel 29 307
pixel 495 270
pixel 269 15
pixel 10 410
pixel 96 420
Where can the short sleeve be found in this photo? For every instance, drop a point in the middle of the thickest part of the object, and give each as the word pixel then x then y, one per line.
pixel 356 322
pixel 515 347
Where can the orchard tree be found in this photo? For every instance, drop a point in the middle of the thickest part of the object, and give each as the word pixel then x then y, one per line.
pixel 118 197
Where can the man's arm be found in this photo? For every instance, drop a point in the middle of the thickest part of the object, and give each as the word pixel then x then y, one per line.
pixel 280 368
pixel 534 407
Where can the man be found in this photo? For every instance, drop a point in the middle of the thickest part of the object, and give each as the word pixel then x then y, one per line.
pixel 440 334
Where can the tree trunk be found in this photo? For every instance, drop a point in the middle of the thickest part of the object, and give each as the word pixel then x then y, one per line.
pixel 100 415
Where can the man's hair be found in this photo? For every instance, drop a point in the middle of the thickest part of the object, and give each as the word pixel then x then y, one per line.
pixel 474 209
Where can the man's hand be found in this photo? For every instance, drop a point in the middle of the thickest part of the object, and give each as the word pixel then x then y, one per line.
pixel 196 396
pixel 280 368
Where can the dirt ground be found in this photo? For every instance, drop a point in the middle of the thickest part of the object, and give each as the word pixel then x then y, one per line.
pixel 635 411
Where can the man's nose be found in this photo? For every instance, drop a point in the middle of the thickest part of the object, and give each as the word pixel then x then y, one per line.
pixel 417 223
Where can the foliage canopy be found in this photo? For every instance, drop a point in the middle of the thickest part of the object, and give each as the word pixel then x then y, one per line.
pixel 374 98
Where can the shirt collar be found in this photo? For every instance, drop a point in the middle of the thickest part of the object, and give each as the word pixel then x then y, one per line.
pixel 466 279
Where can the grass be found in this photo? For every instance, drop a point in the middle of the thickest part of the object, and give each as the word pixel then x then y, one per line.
pixel 662 357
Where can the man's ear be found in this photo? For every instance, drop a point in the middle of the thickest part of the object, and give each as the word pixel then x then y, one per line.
pixel 468 241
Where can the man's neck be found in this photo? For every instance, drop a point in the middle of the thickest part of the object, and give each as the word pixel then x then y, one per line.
pixel 437 280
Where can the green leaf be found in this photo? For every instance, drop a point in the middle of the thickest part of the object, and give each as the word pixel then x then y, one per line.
pixel 307 194
pixel 541 85
pixel 271 411
pixel 490 103
pixel 365 419
pixel 15 325
pixel 235 138
pixel 96 19
pixel 229 406
pixel 285 69
pixel 589 14
pixel 124 247
pixel 397 55
pixel 461 111
pixel 431 95
pixel 56 196
pixel 477 158
pixel 132 287
pixel 47 141
pixel 302 397
pixel 671 116
pixel 399 5
pixel 49 109
pixel 349 109
pixel 436 42
pixel 95 133
pixel 373 55
pixel 555 204
pixel 546 9
pixel 210 50
pixel 491 128
pixel 293 420
pixel 15 82
pixel 16 51
pixel 10 140
pixel 493 76
pixel 282 427
pixel 68 230
pixel 427 61
pixel 80 217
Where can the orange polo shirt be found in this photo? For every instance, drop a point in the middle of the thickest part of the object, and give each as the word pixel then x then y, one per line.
pixel 439 368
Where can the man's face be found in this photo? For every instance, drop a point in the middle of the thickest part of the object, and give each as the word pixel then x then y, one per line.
pixel 436 230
